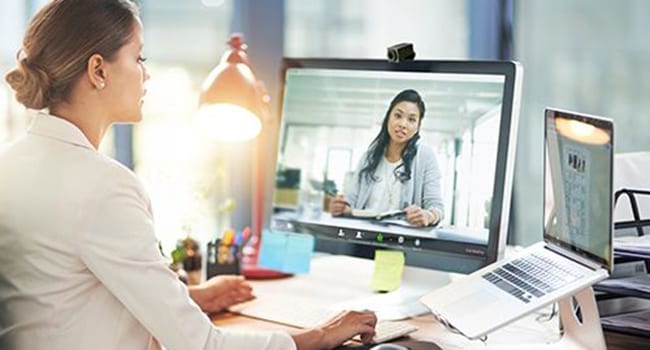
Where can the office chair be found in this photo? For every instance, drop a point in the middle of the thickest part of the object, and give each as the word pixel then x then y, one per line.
pixel 631 218
pixel 631 185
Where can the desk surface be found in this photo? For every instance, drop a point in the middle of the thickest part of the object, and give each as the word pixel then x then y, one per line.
pixel 429 329
pixel 351 278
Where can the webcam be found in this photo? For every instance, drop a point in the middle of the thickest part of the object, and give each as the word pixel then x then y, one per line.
pixel 400 52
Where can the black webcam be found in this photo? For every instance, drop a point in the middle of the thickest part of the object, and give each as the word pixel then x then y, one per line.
pixel 400 52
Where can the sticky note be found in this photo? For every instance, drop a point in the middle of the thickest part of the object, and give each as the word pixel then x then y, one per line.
pixel 272 250
pixel 299 252
pixel 285 251
pixel 389 265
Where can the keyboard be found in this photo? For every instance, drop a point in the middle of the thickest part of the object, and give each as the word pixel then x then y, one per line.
pixel 531 276
pixel 389 330
pixel 309 316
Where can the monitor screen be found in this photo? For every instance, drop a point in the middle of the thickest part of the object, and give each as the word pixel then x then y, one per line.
pixel 415 156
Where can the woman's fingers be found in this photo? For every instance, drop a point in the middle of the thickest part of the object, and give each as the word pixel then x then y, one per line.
pixel 337 205
pixel 347 325
pixel 416 216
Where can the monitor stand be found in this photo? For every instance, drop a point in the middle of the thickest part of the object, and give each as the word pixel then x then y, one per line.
pixel 404 302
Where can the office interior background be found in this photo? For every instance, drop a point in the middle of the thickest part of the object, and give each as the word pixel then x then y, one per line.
pixel 584 55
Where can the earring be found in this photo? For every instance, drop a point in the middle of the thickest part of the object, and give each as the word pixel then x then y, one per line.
pixel 101 85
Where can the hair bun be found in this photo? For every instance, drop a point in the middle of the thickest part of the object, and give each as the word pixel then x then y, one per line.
pixel 30 83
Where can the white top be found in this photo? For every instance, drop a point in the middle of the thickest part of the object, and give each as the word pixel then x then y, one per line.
pixel 80 267
pixel 388 189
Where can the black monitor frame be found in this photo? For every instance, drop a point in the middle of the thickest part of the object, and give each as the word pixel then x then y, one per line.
pixel 432 253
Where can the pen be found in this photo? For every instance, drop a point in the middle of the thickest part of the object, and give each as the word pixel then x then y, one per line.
pixel 333 193
pixel 239 238
pixel 246 235
pixel 390 214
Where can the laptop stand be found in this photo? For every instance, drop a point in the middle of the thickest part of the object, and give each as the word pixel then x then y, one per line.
pixel 577 335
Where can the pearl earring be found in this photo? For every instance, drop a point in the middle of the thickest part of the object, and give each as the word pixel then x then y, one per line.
pixel 101 85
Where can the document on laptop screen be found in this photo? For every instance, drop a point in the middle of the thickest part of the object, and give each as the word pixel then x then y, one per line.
pixel 577 209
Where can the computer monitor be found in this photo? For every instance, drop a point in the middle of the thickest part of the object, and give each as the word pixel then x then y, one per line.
pixel 333 109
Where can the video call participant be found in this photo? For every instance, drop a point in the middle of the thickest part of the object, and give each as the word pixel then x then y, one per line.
pixel 80 263
pixel 397 172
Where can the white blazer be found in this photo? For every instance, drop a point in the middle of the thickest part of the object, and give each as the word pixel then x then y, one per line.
pixel 79 263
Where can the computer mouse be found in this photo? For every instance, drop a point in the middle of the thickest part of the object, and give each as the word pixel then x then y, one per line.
pixel 389 347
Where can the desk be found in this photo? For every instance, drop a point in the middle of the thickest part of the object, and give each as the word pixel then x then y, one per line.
pixel 342 279
pixel 428 329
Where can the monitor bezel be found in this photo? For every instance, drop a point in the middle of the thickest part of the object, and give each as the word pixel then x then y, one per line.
pixel 456 256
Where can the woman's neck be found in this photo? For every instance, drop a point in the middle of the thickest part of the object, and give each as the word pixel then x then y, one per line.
pixel 394 151
pixel 83 117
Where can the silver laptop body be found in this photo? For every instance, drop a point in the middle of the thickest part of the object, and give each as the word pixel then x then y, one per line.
pixel 577 248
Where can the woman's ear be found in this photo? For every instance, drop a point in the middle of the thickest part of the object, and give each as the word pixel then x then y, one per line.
pixel 96 71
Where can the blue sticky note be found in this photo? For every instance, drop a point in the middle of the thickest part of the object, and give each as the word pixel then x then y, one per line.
pixel 272 250
pixel 299 251
pixel 285 251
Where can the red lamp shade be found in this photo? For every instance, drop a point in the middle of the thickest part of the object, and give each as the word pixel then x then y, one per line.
pixel 231 99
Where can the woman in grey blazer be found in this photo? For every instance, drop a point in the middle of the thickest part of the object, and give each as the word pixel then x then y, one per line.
pixel 396 172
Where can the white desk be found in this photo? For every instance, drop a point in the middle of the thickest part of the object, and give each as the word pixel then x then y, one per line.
pixel 336 280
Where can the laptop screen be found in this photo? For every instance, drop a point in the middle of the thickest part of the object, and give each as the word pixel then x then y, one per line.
pixel 578 184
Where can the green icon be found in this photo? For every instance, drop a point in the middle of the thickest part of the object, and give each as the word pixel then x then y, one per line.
pixel 380 238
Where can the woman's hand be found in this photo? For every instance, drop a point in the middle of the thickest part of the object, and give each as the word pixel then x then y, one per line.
pixel 338 330
pixel 220 292
pixel 339 206
pixel 419 217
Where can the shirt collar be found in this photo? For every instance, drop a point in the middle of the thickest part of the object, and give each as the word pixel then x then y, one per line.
pixel 58 128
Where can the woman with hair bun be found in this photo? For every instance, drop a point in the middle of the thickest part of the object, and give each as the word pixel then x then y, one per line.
pixel 80 264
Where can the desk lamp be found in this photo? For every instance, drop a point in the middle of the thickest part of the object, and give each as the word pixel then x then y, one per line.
pixel 234 107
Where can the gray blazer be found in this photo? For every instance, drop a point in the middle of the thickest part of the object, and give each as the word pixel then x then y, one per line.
pixel 423 189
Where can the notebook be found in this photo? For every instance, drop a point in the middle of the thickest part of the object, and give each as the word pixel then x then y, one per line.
pixel 375 215
pixel 576 250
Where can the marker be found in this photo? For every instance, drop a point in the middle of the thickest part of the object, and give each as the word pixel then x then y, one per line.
pixel 246 235
pixel 227 237
pixel 239 238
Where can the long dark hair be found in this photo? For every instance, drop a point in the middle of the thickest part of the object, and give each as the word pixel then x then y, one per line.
pixel 378 146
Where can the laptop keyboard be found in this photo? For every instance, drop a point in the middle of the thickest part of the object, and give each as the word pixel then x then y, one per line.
pixel 531 276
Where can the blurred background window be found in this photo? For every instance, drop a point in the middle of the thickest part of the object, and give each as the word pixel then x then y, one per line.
pixel 365 28
pixel 183 41
pixel 590 56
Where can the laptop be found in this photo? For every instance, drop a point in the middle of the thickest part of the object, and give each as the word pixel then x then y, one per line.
pixel 576 251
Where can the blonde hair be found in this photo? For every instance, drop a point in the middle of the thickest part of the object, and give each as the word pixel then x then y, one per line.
pixel 60 39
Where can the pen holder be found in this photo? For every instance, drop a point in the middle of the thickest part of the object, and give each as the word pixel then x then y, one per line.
pixel 223 259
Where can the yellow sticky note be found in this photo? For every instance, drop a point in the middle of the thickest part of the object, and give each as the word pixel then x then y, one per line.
pixel 389 265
